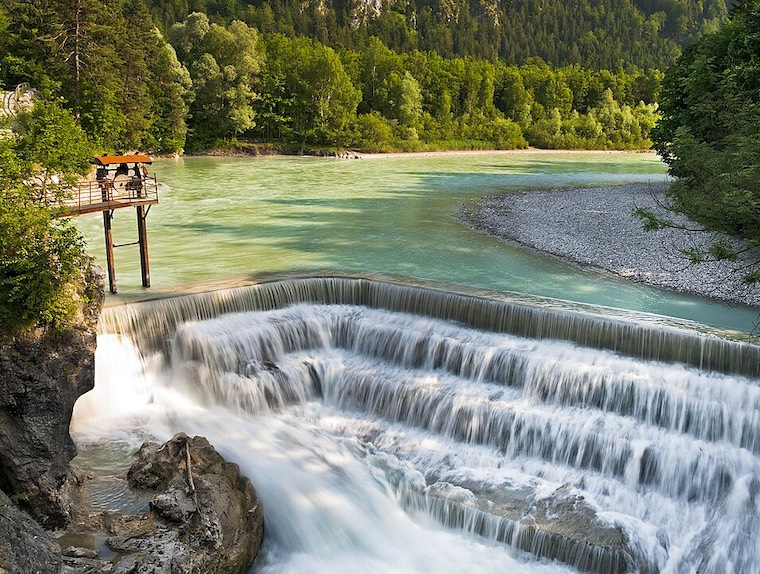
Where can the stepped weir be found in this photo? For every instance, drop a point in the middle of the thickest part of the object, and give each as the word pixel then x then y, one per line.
pixel 606 441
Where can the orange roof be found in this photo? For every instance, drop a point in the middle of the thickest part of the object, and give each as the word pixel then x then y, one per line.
pixel 111 159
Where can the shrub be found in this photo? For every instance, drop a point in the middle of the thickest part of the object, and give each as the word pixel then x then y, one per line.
pixel 41 257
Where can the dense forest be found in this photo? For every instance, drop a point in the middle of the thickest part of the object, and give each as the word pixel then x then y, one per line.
pixel 160 77
pixel 606 34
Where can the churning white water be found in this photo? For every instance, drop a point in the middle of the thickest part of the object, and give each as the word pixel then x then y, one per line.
pixel 385 434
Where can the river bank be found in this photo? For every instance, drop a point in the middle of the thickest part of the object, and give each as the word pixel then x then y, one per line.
pixel 595 228
pixel 244 149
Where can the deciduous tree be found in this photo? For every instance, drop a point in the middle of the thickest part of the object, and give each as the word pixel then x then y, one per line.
pixel 709 137
pixel 41 256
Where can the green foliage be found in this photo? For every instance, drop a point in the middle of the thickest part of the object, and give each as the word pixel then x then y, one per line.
pixel 107 60
pixel 752 277
pixel 224 64
pixel 50 139
pixel 598 34
pixel 156 85
pixel 650 221
pixel 41 257
pixel 169 92
pixel 221 79
pixel 722 249
pixel 693 254
pixel 710 130
pixel 424 98
pixel 129 89
pixel 373 133
pixel 313 99
pixel 83 40
pixel 507 134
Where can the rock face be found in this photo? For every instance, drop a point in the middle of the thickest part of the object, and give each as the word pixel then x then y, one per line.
pixel 217 527
pixel 41 377
pixel 24 546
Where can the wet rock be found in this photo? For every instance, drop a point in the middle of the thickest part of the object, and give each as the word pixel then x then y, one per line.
pixel 561 526
pixel 78 552
pixel 215 527
pixel 174 505
pixel 84 565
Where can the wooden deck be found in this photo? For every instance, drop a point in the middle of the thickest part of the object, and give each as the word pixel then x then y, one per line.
pixel 106 195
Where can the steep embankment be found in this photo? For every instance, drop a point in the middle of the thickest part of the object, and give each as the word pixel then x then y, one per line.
pixel 42 375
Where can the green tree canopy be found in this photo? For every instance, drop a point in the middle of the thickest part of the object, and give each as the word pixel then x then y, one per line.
pixel 315 91
pixel 109 62
pixel 709 134
pixel 41 257
pixel 224 63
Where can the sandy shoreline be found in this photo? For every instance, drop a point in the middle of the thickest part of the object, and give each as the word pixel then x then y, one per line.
pixel 594 228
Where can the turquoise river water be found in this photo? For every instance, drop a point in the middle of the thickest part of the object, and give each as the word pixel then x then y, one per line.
pixel 221 219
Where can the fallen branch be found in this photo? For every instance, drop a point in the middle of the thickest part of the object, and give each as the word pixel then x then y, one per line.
pixel 190 483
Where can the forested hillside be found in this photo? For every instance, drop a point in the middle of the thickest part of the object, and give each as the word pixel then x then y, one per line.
pixel 158 77
pixel 594 33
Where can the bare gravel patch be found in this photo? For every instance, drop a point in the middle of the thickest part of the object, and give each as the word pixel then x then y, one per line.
pixel 594 227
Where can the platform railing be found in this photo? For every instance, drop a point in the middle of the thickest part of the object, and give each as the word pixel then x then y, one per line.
pixel 101 195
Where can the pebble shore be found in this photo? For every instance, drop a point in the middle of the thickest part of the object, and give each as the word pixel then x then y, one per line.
pixel 595 228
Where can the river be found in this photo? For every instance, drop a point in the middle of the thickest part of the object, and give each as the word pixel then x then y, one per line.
pixel 226 218
pixel 516 427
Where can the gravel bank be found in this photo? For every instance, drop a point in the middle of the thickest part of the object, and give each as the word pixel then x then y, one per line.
pixel 593 227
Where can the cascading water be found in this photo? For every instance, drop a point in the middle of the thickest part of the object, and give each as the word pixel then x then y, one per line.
pixel 390 428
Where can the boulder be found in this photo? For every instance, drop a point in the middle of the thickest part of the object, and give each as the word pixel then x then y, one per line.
pixel 204 517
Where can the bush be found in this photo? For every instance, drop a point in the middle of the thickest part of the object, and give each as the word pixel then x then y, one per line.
pixel 40 260
pixel 373 133
pixel 507 135
pixel 41 257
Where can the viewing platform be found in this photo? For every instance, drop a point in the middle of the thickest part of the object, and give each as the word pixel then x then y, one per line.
pixel 120 181
pixel 94 196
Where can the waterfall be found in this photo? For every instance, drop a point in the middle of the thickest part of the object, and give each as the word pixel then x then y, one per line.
pixel 393 428
pixel 634 334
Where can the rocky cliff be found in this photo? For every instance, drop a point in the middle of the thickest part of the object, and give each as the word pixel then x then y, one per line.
pixel 42 374
pixel 24 546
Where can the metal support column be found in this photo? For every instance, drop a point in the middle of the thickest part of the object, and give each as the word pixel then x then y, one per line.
pixel 142 238
pixel 107 217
